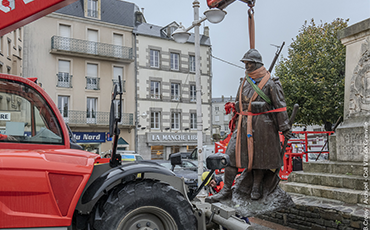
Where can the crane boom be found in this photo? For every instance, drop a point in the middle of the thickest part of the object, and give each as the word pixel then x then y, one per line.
pixel 17 13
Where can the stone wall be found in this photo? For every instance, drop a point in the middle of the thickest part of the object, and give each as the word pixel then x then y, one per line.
pixel 318 214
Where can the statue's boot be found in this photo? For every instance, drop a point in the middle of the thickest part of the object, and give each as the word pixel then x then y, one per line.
pixel 226 192
pixel 257 180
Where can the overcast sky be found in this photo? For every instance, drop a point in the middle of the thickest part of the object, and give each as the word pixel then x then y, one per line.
pixel 275 22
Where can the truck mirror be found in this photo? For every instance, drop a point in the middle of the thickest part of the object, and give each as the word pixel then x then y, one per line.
pixel 175 159
pixel 217 161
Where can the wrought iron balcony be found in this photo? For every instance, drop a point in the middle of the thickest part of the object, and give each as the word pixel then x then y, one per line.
pixel 83 47
pixel 98 118
pixel 123 84
pixel 92 83
pixel 64 80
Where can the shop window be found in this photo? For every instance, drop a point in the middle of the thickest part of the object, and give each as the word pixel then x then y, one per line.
pixel 175 149
pixel 157 152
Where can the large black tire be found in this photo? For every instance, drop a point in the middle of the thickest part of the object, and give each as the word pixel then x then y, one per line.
pixel 146 203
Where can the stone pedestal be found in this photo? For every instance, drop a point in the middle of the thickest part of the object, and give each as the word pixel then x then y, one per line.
pixel 352 135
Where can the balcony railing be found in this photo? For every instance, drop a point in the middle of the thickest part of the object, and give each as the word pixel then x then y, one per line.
pixel 99 118
pixel 89 47
pixel 64 80
pixel 92 83
pixel 123 84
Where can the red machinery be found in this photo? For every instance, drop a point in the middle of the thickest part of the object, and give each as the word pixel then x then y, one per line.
pixel 17 13
pixel 295 150
pixel 297 147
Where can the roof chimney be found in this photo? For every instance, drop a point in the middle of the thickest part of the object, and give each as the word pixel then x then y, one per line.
pixel 223 98
pixel 206 31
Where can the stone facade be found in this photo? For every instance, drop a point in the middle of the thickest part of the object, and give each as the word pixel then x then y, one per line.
pixel 165 88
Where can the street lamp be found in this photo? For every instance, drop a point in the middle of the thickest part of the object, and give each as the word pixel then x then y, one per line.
pixel 181 35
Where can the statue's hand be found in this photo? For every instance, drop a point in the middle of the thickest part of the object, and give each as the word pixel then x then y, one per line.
pixel 287 134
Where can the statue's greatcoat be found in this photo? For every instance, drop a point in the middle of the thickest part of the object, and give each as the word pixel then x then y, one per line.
pixel 265 128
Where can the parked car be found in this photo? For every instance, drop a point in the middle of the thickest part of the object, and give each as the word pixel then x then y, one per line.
pixel 131 157
pixel 188 173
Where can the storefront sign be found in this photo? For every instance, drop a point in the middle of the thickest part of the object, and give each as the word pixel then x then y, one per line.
pixel 171 138
pixel 4 116
pixel 89 136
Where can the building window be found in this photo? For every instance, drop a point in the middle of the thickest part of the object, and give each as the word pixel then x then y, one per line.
pixel 63 106
pixel 91 110
pixel 155 120
pixel 64 77
pixel 154 58
pixel 92 8
pixel 118 43
pixel 92 37
pixel 1 44
pixel 92 80
pixel 217 108
pixel 15 39
pixel 9 49
pixel 155 90
pixel 20 33
pixel 193 121
pixel 175 91
pixel 174 61
pixel 217 118
pixel 118 71
pixel 226 117
pixel 193 93
pixel 192 63
pixel 175 120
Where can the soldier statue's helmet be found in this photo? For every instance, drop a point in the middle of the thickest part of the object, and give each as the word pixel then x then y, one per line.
pixel 252 55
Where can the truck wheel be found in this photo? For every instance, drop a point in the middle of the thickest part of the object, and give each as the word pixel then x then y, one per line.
pixel 145 204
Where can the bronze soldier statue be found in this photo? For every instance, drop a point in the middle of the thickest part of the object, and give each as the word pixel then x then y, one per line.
pixel 255 143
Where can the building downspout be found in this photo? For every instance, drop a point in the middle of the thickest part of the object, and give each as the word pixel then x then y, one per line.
pixel 136 114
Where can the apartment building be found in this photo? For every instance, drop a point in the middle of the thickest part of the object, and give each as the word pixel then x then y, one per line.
pixel 11 52
pixel 166 91
pixel 77 54
pixel 220 120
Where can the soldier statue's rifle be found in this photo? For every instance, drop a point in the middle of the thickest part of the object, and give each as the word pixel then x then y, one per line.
pixel 276 57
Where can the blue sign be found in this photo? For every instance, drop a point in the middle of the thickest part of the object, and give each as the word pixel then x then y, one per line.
pixel 89 137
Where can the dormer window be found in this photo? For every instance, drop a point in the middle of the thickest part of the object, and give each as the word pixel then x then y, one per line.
pixel 92 8
pixel 169 29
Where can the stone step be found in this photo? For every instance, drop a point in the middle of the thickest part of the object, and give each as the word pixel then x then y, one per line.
pixel 326 179
pixel 335 167
pixel 342 194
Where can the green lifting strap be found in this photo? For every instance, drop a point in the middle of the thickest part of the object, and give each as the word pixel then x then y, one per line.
pixel 258 90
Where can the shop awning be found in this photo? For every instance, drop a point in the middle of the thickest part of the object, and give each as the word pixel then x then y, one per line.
pixel 122 141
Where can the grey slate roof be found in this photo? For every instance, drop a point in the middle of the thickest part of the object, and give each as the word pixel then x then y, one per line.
pixel 112 11
pixel 155 31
